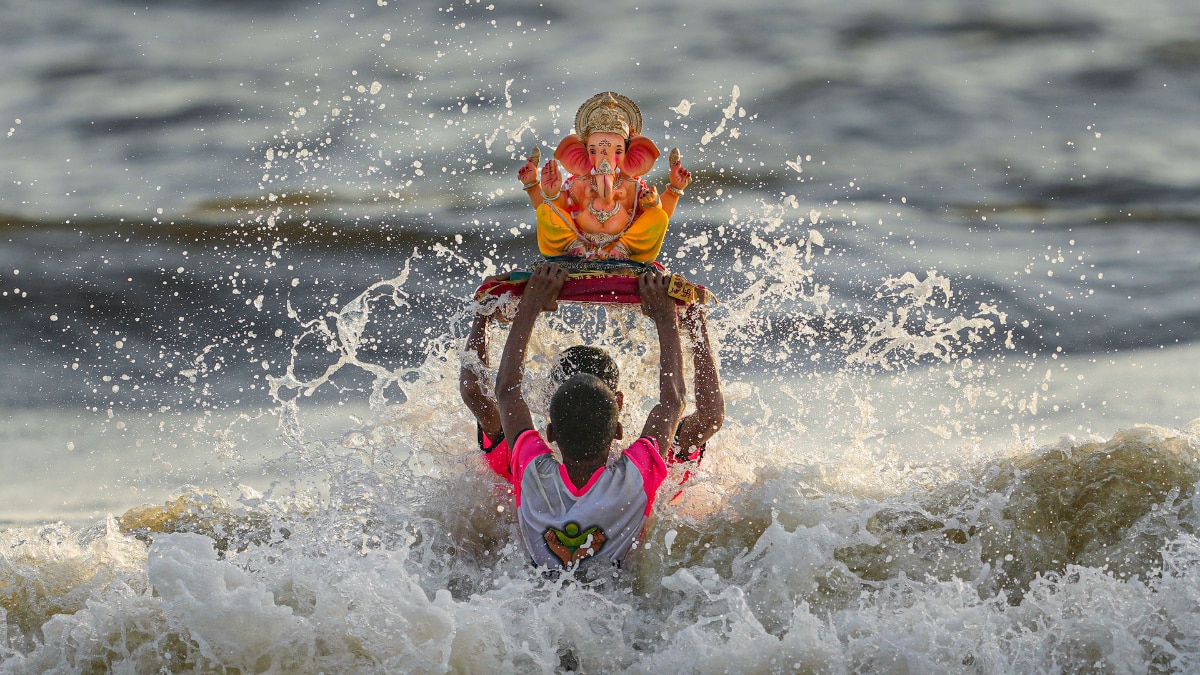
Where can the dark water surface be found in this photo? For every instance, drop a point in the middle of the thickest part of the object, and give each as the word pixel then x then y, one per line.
pixel 237 242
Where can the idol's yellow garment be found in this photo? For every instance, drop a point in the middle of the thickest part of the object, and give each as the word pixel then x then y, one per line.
pixel 558 234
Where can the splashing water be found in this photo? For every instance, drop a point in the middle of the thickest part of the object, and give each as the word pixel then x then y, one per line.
pixel 776 558
pixel 873 503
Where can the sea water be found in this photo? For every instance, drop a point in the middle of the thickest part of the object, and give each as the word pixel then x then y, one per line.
pixel 954 252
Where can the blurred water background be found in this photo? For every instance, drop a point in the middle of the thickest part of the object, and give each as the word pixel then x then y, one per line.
pixel 955 244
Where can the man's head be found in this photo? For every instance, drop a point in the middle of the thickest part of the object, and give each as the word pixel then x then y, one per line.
pixel 585 359
pixel 584 417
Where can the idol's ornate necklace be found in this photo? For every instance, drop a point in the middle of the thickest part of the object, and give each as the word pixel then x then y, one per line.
pixel 603 216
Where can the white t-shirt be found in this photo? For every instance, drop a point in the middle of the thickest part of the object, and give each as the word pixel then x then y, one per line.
pixel 562 524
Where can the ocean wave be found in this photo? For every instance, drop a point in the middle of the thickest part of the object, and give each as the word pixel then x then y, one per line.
pixel 369 579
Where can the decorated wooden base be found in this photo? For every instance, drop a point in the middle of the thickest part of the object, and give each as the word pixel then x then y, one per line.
pixel 599 281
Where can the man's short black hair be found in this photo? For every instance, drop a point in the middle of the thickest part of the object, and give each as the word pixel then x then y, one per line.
pixel 585 359
pixel 585 416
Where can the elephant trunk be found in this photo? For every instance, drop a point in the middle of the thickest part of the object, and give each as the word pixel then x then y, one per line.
pixel 604 181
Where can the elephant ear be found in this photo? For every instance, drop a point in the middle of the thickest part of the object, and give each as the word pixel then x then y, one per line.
pixel 572 153
pixel 640 156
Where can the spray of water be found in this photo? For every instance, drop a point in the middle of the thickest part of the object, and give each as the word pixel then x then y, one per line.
pixel 826 531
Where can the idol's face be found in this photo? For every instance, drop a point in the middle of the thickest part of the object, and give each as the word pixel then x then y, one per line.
pixel 603 146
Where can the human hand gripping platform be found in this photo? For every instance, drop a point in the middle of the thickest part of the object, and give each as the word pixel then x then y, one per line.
pixel 587 283
pixel 543 287
pixel 655 291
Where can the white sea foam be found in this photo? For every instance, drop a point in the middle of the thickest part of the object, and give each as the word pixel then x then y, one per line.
pixel 890 492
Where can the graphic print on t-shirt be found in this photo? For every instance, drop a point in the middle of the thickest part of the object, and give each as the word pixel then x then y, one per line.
pixel 572 543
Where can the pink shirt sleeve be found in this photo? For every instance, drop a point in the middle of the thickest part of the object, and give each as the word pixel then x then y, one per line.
pixel 497 457
pixel 645 456
pixel 529 446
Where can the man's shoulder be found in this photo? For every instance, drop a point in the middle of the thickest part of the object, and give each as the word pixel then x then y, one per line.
pixel 643 454
pixel 529 446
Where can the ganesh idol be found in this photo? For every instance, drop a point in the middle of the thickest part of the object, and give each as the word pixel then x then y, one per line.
pixel 604 208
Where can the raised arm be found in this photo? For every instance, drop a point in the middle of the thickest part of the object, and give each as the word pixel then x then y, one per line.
pixel 697 428
pixel 541 293
pixel 664 417
pixel 470 384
